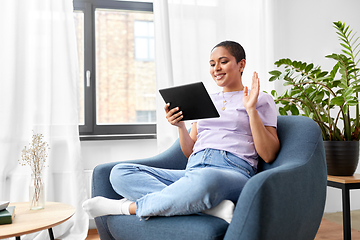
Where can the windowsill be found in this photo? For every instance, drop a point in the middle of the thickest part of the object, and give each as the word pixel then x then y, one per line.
pixel 116 137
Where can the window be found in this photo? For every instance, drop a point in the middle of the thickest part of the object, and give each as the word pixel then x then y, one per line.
pixel 117 69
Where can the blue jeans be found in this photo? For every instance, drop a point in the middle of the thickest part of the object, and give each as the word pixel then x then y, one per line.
pixel 210 177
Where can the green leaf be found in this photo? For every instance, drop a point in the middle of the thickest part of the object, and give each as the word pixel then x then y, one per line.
pixel 288 83
pixel 321 79
pixel 315 72
pixel 336 83
pixel 303 66
pixel 333 56
pixel 275 73
pixel 342 71
pixel 283 102
pixel 311 93
pixel 353 70
pixel 345 46
pixel 342 85
pixel 287 61
pixel 318 98
pixel 338 24
pixel 348 92
pixel 294 110
pixel 346 52
pixel 357 44
pixel 296 64
pixel 338 101
pixel 334 70
pixel 273 78
pixel 352 102
pixel 287 107
pixel 347 28
pixel 342 37
pixel 282 111
pixel 309 67
pixel 349 98
pixel 356 89
pixel 295 92
pixel 273 93
pixel 322 74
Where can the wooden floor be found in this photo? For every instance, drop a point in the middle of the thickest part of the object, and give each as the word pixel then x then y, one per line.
pixel 93 235
pixel 328 230
pixel 332 231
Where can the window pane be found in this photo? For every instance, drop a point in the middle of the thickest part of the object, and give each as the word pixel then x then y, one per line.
pixel 141 48
pixel 144 40
pixel 151 29
pixel 146 116
pixel 141 29
pixel 124 86
pixel 79 31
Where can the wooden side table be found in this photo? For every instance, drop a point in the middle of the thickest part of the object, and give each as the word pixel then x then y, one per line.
pixel 28 221
pixel 345 184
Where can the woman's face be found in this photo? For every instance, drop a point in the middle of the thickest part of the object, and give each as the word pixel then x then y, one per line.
pixel 225 71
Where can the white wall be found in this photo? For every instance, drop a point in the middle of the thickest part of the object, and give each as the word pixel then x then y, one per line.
pixel 97 152
pixel 303 31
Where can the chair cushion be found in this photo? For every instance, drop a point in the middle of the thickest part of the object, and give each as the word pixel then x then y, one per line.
pixel 173 228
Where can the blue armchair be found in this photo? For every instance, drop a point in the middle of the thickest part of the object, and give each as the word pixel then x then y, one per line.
pixel 284 200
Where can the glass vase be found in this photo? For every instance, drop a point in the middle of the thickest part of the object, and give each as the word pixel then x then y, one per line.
pixel 36 192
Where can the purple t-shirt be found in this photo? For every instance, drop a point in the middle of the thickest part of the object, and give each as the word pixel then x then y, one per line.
pixel 231 131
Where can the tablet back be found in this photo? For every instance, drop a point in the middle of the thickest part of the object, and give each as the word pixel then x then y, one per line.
pixel 192 99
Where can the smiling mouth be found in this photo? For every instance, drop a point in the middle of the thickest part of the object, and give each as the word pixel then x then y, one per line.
pixel 219 76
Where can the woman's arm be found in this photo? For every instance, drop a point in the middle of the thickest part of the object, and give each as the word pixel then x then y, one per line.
pixel 266 140
pixel 187 140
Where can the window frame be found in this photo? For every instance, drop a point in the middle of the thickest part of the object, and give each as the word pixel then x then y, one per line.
pixel 91 130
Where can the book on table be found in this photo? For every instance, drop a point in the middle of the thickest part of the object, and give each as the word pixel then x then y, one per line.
pixel 7 215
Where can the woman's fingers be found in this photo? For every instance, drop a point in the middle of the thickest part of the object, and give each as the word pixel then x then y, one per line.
pixel 175 118
pixel 171 112
pixel 255 81
pixel 246 91
pixel 174 115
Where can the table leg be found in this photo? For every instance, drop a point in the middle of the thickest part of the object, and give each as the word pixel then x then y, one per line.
pixel 51 234
pixel 17 238
pixel 346 213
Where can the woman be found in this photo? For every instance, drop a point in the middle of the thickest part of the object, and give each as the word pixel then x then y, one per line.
pixel 223 152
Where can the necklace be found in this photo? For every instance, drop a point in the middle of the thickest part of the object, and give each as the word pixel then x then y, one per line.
pixel 225 102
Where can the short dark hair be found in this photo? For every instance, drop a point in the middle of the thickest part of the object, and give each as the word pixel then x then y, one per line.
pixel 234 48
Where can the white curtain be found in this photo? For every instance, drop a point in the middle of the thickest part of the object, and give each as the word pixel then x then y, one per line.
pixel 39 92
pixel 187 30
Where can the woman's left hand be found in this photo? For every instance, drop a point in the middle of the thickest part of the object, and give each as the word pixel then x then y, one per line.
pixel 250 100
pixel 265 138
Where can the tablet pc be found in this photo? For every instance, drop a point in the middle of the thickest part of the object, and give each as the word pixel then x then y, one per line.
pixel 192 99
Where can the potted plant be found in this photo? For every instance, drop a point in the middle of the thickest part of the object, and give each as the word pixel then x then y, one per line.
pixel 329 98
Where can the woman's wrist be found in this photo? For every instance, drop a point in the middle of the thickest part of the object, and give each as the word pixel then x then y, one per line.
pixel 251 111
pixel 181 125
